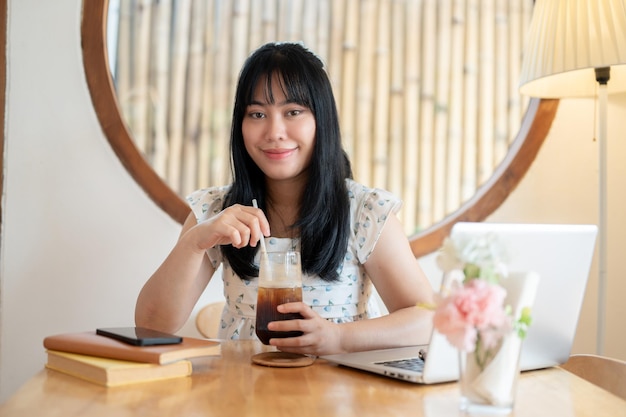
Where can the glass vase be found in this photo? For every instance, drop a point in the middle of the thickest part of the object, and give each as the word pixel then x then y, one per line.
pixel 488 377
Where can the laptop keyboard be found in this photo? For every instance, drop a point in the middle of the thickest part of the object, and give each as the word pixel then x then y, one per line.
pixel 412 364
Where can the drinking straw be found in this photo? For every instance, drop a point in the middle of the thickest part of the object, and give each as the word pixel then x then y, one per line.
pixel 263 250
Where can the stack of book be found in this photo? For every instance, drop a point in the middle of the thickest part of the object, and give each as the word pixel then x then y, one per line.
pixel 109 362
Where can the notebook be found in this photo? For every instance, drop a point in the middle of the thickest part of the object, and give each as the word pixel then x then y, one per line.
pixel 560 254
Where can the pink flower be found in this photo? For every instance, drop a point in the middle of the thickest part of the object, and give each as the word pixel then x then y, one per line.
pixel 473 309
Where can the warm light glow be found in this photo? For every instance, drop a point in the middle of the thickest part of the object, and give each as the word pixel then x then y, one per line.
pixel 568 39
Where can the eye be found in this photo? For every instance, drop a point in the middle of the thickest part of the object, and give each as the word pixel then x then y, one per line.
pixel 295 112
pixel 256 115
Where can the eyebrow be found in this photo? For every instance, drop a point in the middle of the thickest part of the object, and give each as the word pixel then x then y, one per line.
pixel 282 103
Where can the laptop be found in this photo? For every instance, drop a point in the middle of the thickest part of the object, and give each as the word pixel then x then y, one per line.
pixel 560 254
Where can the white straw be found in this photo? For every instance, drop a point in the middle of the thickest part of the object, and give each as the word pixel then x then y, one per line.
pixel 263 250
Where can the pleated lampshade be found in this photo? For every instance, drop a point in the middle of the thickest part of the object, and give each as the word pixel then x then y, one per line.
pixel 567 40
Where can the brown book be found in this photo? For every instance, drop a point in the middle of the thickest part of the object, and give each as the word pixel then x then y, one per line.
pixel 90 343
pixel 114 372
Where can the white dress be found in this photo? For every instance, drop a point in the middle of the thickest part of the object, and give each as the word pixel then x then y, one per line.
pixel 348 299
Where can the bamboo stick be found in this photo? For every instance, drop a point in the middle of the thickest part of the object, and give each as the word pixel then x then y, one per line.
pixel 514 13
pixel 486 106
pixel 322 34
pixel 455 120
pixel 160 81
pixel 380 157
pixel 307 29
pixel 395 130
pixel 470 116
pixel 281 11
pixel 125 61
pixel 222 87
pixel 348 77
pixel 285 20
pixel 238 44
pixel 335 55
pixel 177 91
pixel 410 110
pixel 255 24
pixel 501 91
pixel 521 14
pixel 441 102
pixel 140 93
pixel 427 113
pixel 363 93
pixel 112 36
pixel 270 25
pixel 193 98
pixel 205 177
pixel 528 6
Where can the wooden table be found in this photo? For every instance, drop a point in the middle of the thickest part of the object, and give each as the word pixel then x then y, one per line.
pixel 231 385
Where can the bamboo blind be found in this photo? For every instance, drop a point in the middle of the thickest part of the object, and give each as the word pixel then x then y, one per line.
pixel 426 89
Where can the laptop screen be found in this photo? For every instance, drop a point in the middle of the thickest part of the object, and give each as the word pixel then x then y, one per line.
pixel 561 254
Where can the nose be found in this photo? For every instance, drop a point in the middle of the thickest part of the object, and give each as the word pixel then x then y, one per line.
pixel 276 129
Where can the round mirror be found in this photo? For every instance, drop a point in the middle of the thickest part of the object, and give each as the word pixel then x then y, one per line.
pixel 500 177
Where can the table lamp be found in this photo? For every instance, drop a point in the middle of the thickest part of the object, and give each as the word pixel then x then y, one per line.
pixel 577 48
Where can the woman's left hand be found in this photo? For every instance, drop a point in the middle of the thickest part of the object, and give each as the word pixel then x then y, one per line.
pixel 320 336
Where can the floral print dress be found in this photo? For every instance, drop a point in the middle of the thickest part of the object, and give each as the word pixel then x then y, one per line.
pixel 346 300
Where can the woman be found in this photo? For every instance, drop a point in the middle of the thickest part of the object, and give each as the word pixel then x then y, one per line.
pixel 287 154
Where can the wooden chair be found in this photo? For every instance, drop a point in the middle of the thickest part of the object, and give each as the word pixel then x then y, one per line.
pixel 607 373
pixel 208 319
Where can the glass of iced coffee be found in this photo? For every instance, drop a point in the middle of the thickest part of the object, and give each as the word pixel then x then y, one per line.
pixel 280 282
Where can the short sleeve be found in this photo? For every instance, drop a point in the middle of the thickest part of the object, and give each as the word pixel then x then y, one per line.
pixel 370 209
pixel 204 204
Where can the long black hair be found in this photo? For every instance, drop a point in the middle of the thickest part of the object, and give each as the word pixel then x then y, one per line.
pixel 323 220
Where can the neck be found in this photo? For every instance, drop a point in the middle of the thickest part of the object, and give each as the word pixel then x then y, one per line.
pixel 283 206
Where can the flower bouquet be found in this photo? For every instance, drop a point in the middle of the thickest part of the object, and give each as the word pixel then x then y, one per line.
pixel 484 312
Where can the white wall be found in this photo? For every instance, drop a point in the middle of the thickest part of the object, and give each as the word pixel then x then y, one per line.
pixel 80 237
pixel 562 187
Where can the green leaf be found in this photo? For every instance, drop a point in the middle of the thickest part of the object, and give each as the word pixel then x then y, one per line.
pixel 471 271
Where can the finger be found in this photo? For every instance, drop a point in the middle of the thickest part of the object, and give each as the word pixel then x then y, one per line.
pixel 240 238
pixel 259 216
pixel 253 219
pixel 256 234
pixel 297 307
pixel 291 344
pixel 261 220
pixel 245 224
pixel 294 325
pixel 294 342
pixel 237 233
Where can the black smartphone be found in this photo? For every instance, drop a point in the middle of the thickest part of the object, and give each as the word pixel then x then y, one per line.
pixel 140 336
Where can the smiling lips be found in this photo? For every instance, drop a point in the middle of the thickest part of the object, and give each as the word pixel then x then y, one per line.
pixel 277 154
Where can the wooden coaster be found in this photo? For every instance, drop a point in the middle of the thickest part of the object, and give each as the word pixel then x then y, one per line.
pixel 282 359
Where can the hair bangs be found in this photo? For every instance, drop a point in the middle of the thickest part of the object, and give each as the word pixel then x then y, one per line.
pixel 292 82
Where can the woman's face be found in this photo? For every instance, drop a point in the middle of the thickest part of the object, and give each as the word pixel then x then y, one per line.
pixel 279 136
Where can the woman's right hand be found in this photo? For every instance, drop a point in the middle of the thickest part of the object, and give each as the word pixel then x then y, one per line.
pixel 167 299
pixel 236 225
